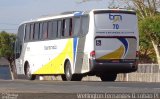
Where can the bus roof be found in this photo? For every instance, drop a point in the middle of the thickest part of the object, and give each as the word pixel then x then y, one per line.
pixel 61 15
pixel 74 13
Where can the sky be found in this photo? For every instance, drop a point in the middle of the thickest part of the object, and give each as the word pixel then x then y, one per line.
pixel 14 12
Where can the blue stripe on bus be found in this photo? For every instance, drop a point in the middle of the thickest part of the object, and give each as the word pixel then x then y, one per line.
pixel 75 47
pixel 125 43
pixel 78 13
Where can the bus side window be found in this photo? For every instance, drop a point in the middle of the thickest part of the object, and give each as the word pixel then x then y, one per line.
pixel 50 30
pixel 36 35
pixel 55 29
pixel 31 31
pixel 67 26
pixel 27 32
pixel 41 31
pixel 70 27
pixel 76 26
pixel 63 28
pixel 45 30
pixel 59 28
pixel 21 32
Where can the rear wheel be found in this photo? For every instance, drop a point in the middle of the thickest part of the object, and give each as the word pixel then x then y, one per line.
pixel 108 77
pixel 68 74
pixel 28 74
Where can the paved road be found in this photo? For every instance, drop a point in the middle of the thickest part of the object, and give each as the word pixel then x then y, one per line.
pixel 72 90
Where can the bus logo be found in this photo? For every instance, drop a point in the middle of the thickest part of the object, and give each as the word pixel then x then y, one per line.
pixel 115 18
pixel 98 42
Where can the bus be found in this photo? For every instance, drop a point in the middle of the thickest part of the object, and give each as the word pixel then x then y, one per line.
pixel 99 42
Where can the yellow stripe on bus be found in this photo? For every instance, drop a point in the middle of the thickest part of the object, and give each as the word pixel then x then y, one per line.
pixel 56 65
pixel 117 54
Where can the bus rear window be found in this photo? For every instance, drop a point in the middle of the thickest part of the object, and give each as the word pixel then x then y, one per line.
pixel 115 21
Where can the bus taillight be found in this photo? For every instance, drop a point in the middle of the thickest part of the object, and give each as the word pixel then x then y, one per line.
pixel 92 54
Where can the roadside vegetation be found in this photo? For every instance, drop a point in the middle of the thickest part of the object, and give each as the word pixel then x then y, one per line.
pixel 7 50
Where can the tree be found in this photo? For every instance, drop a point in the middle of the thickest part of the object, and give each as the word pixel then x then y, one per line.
pixel 151 27
pixel 145 8
pixel 147 53
pixel 7 50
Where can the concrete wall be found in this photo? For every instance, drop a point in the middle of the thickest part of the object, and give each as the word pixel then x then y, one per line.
pixel 5 72
pixel 4 69
pixel 145 73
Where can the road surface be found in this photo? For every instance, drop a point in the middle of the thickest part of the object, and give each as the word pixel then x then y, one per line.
pixel 19 89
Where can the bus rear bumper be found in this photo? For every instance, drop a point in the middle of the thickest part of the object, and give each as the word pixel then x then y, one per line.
pixel 113 67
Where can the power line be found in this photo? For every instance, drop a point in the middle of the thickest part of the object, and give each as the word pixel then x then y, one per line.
pixel 8 24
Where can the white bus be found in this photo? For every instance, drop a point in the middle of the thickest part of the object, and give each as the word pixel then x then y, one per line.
pixel 101 42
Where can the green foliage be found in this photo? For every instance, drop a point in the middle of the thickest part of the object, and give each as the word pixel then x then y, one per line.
pixel 155 28
pixel 6 45
pixel 149 29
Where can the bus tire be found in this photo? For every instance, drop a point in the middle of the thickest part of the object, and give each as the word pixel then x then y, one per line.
pixel 28 74
pixel 68 74
pixel 108 77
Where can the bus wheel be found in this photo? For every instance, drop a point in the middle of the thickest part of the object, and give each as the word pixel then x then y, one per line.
pixel 68 74
pixel 28 74
pixel 108 77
